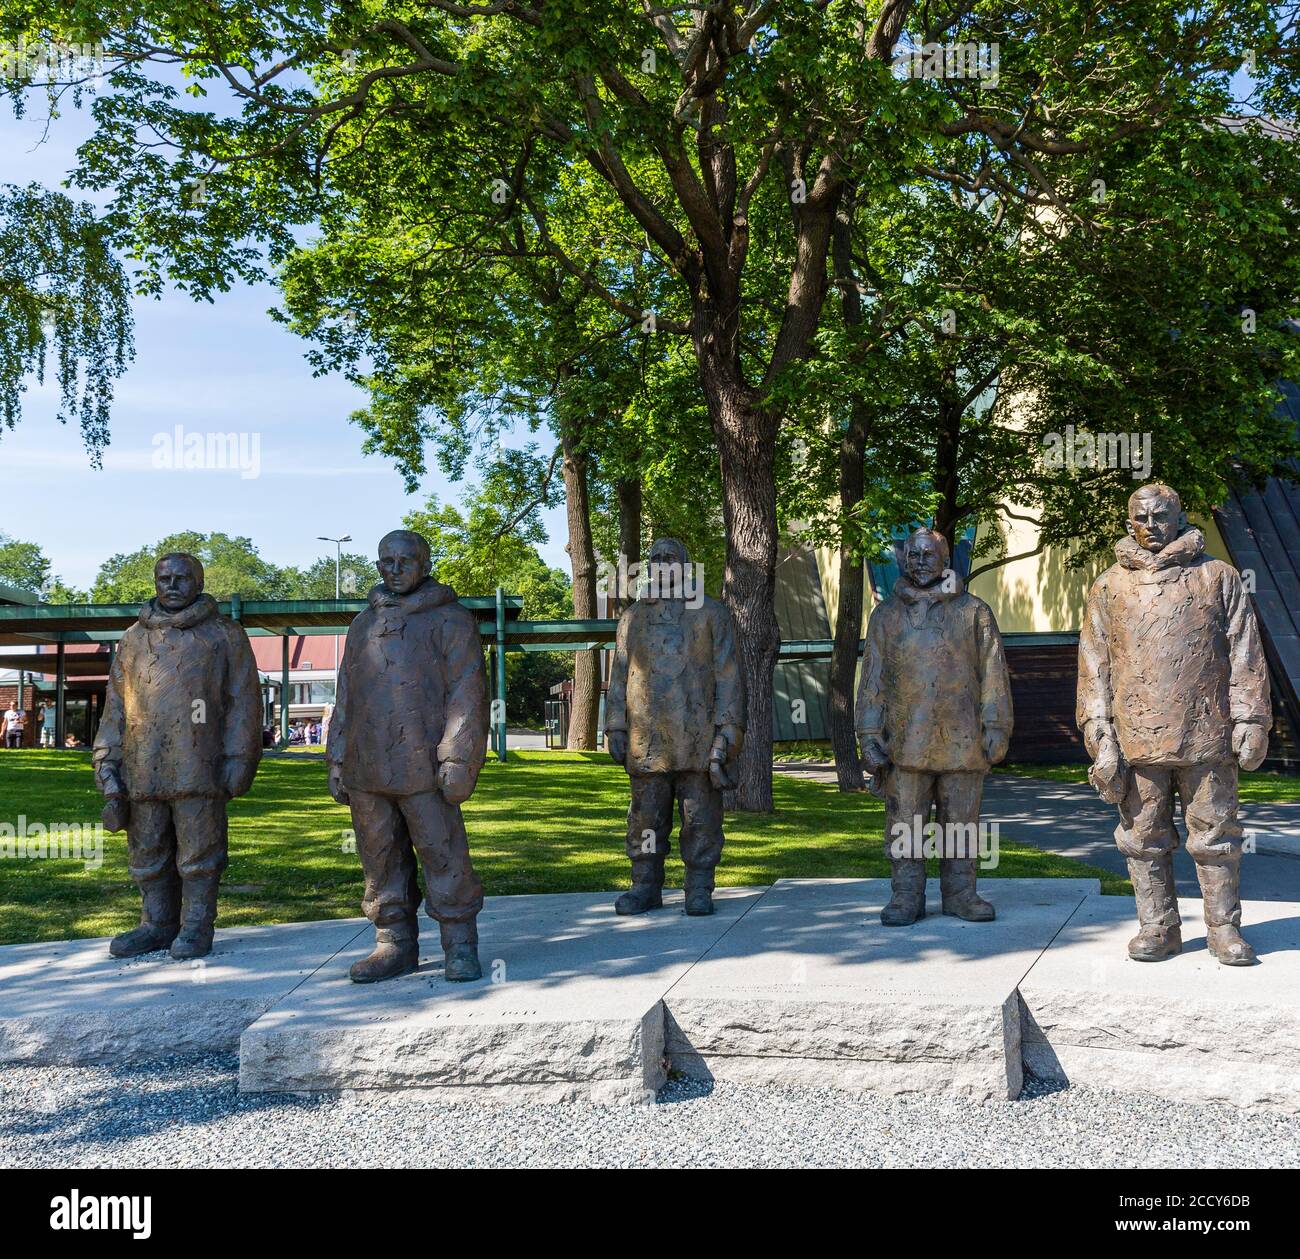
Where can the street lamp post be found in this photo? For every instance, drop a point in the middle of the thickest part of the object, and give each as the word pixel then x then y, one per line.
pixel 338 559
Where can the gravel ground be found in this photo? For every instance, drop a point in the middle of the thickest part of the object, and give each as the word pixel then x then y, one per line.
pixel 189 1114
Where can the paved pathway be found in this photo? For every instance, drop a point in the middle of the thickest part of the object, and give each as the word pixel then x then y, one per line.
pixel 1070 819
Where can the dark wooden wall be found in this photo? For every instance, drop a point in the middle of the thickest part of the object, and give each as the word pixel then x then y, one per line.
pixel 1042 693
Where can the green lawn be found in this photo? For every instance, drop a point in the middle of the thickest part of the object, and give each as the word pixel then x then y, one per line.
pixel 546 822
pixel 1260 786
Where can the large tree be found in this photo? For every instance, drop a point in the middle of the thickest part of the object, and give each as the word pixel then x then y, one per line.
pixel 1086 323
pixel 727 132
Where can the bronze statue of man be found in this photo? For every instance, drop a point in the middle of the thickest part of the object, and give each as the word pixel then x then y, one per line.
pixel 181 734
pixel 407 740
pixel 675 720
pixel 933 713
pixel 1173 696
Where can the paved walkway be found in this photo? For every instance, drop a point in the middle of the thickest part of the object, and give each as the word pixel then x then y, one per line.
pixel 1070 819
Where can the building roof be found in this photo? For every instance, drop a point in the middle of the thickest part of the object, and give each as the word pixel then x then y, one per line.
pixel 102 622
pixel 12 594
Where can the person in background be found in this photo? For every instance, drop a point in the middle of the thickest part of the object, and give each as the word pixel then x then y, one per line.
pixel 48 717
pixel 15 722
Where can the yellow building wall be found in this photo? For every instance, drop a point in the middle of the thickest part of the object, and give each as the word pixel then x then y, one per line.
pixel 1037 595
pixel 1040 594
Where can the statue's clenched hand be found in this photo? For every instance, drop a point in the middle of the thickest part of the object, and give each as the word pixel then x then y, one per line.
pixel 616 745
pixel 337 789
pixel 237 776
pixel 1109 772
pixel 874 758
pixel 1249 744
pixel 455 782
pixel 994 741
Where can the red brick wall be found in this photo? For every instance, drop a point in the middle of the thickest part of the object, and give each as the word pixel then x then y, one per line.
pixel 8 698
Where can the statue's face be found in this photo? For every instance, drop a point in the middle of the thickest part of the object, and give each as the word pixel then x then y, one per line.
pixel 401 566
pixel 669 575
pixel 176 584
pixel 1154 521
pixel 924 560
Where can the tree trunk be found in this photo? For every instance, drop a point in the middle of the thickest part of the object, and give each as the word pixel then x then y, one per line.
pixel 629 534
pixel 585 709
pixel 746 438
pixel 947 478
pixel 848 617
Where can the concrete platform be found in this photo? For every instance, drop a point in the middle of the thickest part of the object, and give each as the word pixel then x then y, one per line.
pixel 570 1007
pixel 1186 1028
pixel 809 988
pixel 71 1003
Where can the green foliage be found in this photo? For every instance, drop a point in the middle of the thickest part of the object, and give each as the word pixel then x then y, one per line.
pixel 231 566
pixel 64 306
pixel 500 195
pixel 23 564
pixel 355 576
pixel 994 327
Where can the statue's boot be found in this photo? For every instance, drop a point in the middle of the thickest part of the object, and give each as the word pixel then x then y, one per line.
pixel 1159 935
pixel 460 952
pixel 160 910
pixel 699 892
pixel 396 952
pixel 647 890
pixel 960 899
pixel 907 903
pixel 198 917
pixel 1220 888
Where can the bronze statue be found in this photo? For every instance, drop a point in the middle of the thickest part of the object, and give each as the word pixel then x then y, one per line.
pixel 407 740
pixel 181 734
pixel 675 720
pixel 1173 695
pixel 933 713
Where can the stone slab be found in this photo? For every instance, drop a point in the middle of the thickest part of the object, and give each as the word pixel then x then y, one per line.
pixel 810 989
pixel 570 1007
pixel 1185 1028
pixel 69 1002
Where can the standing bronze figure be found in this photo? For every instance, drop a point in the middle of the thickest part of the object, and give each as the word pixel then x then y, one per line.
pixel 675 720
pixel 181 735
pixel 1173 696
pixel 933 713
pixel 407 740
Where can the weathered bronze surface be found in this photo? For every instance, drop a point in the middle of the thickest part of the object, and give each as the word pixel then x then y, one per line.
pixel 675 719
pixel 181 734
pixel 407 740
pixel 933 713
pixel 1173 696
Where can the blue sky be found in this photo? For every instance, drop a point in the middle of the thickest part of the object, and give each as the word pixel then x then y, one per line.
pixel 224 367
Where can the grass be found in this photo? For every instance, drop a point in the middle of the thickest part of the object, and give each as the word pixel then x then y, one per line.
pixel 545 822
pixel 1258 786
pixel 803 750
